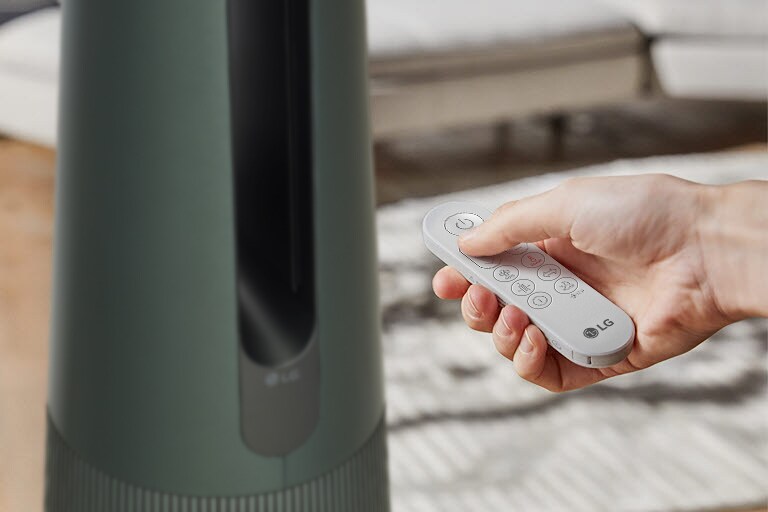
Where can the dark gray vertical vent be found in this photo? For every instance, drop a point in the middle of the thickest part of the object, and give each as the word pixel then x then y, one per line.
pixel 271 117
pixel 270 104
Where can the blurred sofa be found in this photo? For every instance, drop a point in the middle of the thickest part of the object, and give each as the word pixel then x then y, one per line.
pixel 437 63
pixel 705 48
pixel 443 63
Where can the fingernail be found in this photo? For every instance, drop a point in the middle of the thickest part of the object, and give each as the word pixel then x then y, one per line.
pixel 526 345
pixel 506 329
pixel 473 311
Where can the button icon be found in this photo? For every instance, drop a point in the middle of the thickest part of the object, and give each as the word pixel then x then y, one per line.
pixel 519 249
pixel 548 272
pixel 506 273
pixel 566 285
pixel 461 222
pixel 533 259
pixel 465 223
pixel 523 287
pixel 539 300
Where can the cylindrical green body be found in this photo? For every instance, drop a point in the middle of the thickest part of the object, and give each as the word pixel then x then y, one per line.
pixel 145 407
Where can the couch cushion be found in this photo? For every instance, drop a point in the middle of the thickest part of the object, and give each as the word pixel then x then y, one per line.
pixel 29 64
pixel 397 27
pixel 30 44
pixel 712 68
pixel 741 18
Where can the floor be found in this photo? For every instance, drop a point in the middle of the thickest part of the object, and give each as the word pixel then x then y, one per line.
pixel 416 166
pixel 26 213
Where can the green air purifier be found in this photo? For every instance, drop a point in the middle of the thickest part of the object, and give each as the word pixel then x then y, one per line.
pixel 215 334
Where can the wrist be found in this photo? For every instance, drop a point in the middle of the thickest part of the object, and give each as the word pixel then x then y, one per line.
pixel 732 231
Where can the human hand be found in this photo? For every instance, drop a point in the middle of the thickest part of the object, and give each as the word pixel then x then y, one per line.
pixel 642 241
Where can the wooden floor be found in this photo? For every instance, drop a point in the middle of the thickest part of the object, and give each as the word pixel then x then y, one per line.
pixel 426 165
pixel 26 213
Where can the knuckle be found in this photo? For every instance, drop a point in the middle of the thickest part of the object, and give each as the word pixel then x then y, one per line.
pixel 478 325
pixel 474 321
pixel 504 345
pixel 535 378
pixel 507 239
pixel 582 184
pixel 554 388
pixel 505 208
pixel 527 373
pixel 573 183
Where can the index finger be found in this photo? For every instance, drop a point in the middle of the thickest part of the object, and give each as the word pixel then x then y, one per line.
pixel 535 218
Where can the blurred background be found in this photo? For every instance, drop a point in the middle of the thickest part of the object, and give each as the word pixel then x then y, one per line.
pixel 488 100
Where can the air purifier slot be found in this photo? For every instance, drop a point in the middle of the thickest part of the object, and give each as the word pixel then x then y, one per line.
pixel 279 360
pixel 272 154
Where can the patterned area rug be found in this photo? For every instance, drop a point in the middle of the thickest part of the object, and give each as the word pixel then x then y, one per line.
pixel 466 434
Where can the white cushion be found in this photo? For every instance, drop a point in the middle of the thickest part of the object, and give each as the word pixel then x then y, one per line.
pixel 712 68
pixel 424 26
pixel 29 65
pixel 742 18
pixel 30 44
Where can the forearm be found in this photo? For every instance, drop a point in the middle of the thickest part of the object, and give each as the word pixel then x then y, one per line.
pixel 733 235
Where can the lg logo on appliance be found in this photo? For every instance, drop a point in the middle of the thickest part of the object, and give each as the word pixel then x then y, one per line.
pixel 592 332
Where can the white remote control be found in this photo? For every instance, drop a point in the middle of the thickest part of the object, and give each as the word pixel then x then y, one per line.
pixel 578 322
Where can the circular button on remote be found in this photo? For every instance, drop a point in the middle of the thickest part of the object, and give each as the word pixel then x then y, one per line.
pixel 485 261
pixel 548 272
pixel 506 273
pixel 566 285
pixel 539 300
pixel 523 287
pixel 461 223
pixel 519 248
pixel 533 259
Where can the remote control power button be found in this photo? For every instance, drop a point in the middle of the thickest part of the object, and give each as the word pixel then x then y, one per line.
pixel 506 273
pixel 523 287
pixel 533 259
pixel 519 249
pixel 539 300
pixel 548 272
pixel 566 285
pixel 461 223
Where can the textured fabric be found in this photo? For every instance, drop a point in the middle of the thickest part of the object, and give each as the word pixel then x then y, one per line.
pixel 466 434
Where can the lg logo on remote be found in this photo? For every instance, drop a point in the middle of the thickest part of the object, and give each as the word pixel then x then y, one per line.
pixel 591 332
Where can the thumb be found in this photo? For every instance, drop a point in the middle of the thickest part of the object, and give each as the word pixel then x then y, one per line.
pixel 535 218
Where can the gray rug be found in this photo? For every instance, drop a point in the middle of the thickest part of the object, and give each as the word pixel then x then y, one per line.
pixel 466 434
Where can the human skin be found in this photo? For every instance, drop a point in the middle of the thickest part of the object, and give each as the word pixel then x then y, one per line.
pixel 681 258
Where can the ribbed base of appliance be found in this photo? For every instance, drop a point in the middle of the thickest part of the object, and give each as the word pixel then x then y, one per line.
pixel 359 484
